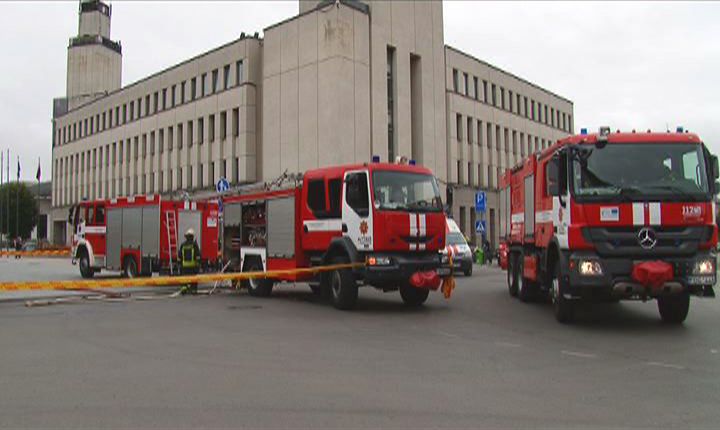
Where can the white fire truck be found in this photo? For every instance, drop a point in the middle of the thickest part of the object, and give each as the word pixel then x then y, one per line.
pixel 388 215
pixel 140 235
pixel 612 216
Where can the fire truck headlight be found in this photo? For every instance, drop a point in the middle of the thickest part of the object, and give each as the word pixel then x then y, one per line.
pixel 704 267
pixel 379 261
pixel 590 268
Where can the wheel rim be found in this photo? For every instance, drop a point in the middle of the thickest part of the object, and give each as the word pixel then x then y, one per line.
pixel 84 264
pixel 131 269
pixel 555 294
pixel 335 283
pixel 253 283
pixel 520 283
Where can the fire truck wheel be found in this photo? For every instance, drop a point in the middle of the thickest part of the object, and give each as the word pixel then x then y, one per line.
pixel 85 270
pixel 343 286
pixel 512 275
pixel 564 308
pixel 413 297
pixel 257 287
pixel 524 292
pixel 130 269
pixel 674 309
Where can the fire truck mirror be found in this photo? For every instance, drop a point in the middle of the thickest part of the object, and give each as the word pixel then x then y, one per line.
pixel 71 211
pixel 715 168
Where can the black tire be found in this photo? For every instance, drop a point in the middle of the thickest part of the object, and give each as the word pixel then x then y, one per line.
pixel 512 276
pixel 130 268
pixel 343 288
pixel 564 309
pixel 469 270
pixel 258 287
pixel 674 309
pixel 526 289
pixel 413 297
pixel 86 271
pixel 316 289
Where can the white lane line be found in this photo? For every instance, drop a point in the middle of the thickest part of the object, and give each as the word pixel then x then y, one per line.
pixel 578 354
pixel 448 334
pixel 666 365
pixel 508 344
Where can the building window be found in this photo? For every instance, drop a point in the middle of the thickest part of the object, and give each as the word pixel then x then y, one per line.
pixel 180 136
pixel 226 77
pixel 104 121
pixel 117 115
pixel 193 88
pixel 391 102
pixel 510 100
pixel 178 180
pixel 526 107
pixel 189 177
pixel 239 72
pixel 182 93
pixel 480 175
pixel 485 91
pixel 172 96
pixel 201 130
pixel 190 130
pixel 223 125
pixel 479 134
pixel 456 84
pixel 462 226
pixel 469 174
pixel 164 99
pixel 152 143
pixel 459 172
pixel 211 176
pixel 161 141
pixel 475 87
pixel 224 168
pixel 469 130
pixel 236 170
pixel 236 122
pixel 497 137
pixel 506 139
pixel 203 85
pixel 467 84
pixel 517 104
pixel 458 127
pixel 489 135
pixel 211 129
pixel 494 95
pixel 132 111
pixel 545 114
pixel 201 175
pixel 532 110
pixel 502 98
pixel 124 117
pixel 170 138
pixel 514 143
pixel 214 81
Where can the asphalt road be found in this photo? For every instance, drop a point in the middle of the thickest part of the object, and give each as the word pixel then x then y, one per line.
pixel 479 360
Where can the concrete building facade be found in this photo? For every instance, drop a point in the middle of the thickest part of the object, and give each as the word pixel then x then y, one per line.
pixel 341 81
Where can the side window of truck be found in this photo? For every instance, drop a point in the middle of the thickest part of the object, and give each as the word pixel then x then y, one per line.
pixel 316 197
pixel 334 193
pixel 356 193
pixel 100 215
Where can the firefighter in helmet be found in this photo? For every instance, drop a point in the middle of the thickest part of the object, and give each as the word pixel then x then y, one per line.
pixel 189 256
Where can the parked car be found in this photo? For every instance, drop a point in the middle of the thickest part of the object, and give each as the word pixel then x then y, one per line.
pixel 457 247
pixel 30 245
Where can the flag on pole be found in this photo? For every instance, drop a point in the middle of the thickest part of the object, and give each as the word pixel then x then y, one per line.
pixel 18 175
pixel 37 175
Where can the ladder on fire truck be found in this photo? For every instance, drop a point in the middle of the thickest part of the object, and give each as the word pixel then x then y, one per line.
pixel 171 227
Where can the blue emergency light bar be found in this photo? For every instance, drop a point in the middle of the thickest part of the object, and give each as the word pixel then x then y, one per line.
pixel 375 158
pixel 583 131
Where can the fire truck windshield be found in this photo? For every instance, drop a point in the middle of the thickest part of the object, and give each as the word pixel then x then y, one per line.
pixel 395 190
pixel 663 171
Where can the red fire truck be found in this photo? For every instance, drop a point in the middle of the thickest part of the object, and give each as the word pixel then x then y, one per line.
pixel 388 215
pixel 612 216
pixel 140 235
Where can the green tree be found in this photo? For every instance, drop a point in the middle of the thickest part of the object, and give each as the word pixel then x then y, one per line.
pixel 9 196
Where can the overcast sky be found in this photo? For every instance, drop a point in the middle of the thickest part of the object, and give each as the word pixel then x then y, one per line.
pixel 626 65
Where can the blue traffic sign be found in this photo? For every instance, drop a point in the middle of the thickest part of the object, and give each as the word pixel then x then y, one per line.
pixel 222 185
pixel 480 226
pixel 480 202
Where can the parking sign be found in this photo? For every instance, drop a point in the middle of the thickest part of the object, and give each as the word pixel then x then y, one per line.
pixel 480 201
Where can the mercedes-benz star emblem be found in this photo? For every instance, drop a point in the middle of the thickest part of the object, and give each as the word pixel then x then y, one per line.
pixel 646 238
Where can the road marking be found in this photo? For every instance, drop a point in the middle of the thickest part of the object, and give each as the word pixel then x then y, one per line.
pixel 508 344
pixel 713 351
pixel 448 334
pixel 578 354
pixel 666 365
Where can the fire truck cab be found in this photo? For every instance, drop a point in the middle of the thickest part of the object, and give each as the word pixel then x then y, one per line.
pixel 139 235
pixel 389 216
pixel 612 216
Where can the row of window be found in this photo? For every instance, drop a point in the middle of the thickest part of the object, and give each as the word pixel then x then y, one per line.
pixel 78 179
pixel 493 135
pixel 160 100
pixel 511 102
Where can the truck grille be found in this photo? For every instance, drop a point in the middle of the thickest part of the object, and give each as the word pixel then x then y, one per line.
pixel 669 241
